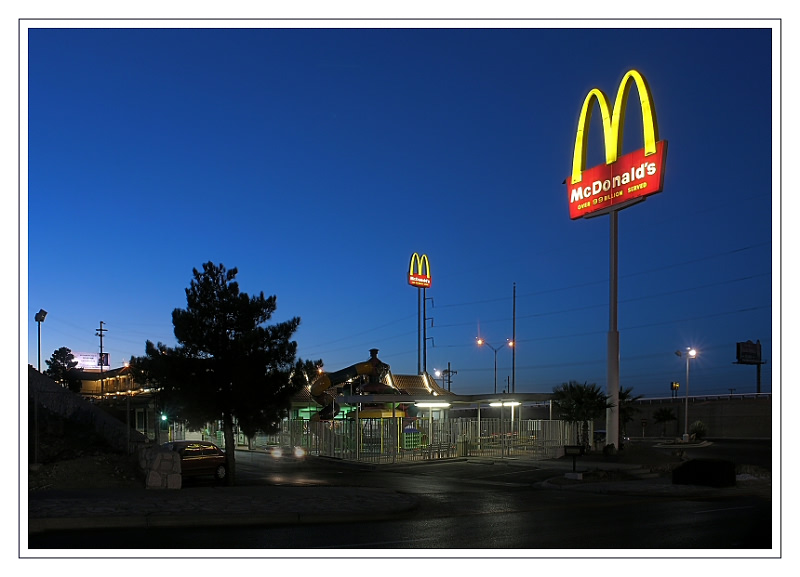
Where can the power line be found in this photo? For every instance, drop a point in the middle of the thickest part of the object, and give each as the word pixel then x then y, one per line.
pixel 605 280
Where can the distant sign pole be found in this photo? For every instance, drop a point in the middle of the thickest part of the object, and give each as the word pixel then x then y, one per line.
pixel 749 353
pixel 419 275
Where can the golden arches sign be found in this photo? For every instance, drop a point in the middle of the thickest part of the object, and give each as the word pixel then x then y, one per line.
pixel 422 277
pixel 622 178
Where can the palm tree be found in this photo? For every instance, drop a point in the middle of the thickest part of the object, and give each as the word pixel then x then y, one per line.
pixel 627 409
pixel 580 403
pixel 664 415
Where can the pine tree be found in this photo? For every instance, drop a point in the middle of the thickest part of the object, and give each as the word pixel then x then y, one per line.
pixel 60 364
pixel 229 364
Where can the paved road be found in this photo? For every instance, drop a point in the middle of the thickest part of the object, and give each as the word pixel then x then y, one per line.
pixel 482 503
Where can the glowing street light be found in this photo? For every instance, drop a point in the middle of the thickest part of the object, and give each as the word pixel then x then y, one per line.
pixel 482 342
pixel 690 354
pixel 439 374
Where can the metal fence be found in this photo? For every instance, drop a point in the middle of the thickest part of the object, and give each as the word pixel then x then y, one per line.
pixel 392 440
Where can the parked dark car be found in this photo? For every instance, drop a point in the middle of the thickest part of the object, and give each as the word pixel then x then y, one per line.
pixel 200 458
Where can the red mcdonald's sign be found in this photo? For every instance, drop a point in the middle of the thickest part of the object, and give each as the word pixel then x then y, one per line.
pixel 621 180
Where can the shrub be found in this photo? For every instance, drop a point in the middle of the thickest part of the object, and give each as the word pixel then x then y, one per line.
pixel 698 430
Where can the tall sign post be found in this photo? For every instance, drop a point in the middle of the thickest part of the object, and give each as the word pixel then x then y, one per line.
pixel 608 188
pixel 419 275
pixel 749 353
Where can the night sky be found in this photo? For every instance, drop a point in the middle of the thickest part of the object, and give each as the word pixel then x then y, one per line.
pixel 318 160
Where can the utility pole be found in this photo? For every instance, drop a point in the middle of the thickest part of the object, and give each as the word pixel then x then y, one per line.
pixel 449 374
pixel 99 333
pixel 514 340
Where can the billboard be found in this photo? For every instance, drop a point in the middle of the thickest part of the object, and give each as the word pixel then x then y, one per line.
pixel 91 361
pixel 420 278
pixel 748 353
pixel 622 180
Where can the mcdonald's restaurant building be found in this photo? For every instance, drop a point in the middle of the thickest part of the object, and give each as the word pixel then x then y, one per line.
pixel 424 416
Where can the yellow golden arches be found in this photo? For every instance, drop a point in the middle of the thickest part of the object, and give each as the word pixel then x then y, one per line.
pixel 422 278
pixel 614 122
pixel 423 265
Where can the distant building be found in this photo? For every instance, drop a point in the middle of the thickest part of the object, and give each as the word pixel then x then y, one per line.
pixel 97 384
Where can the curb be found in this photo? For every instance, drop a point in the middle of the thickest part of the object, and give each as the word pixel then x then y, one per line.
pixel 628 488
pixel 217 520
pixel 650 488
pixel 682 445
pixel 338 506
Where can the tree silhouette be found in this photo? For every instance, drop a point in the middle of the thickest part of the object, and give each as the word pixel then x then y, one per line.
pixel 61 363
pixel 580 403
pixel 664 415
pixel 229 364
pixel 627 408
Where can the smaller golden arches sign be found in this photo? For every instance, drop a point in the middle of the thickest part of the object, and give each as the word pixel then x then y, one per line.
pixel 419 271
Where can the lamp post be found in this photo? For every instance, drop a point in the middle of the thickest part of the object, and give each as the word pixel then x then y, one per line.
pixel 446 375
pixel 440 374
pixel 482 342
pixel 39 318
pixel 690 354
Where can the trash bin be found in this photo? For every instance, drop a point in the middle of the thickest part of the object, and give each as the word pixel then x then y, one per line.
pixel 462 444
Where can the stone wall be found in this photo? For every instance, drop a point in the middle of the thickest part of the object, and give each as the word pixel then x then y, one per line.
pixel 162 468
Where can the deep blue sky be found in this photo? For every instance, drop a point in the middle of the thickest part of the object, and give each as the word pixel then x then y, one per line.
pixel 316 161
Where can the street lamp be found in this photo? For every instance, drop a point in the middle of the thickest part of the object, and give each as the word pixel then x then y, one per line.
pixel 690 354
pixel 440 374
pixel 482 342
pixel 39 318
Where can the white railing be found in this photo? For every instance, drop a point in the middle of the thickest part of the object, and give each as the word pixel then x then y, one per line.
pixel 392 440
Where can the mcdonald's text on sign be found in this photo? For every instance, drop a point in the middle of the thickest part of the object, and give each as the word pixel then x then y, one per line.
pixel 419 271
pixel 632 176
pixel 622 179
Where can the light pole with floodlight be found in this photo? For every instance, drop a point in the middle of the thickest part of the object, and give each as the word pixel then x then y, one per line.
pixel 39 318
pixel 690 354
pixel 482 342
pixel 437 373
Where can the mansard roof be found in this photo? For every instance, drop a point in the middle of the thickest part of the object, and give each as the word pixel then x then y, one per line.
pixel 415 385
